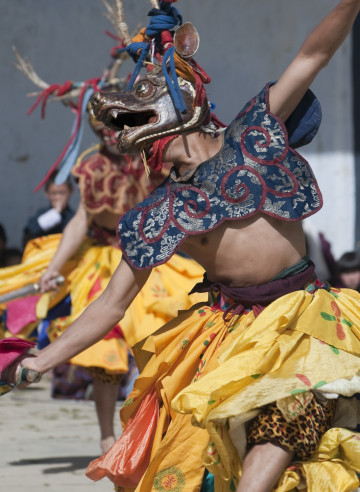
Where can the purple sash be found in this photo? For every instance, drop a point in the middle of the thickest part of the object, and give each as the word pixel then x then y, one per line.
pixel 258 297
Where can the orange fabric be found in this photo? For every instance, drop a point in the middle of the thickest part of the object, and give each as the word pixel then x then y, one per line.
pixel 140 36
pixel 127 460
pixel 184 69
pixel 180 353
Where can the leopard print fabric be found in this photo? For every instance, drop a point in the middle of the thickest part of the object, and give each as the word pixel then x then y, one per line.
pixel 301 435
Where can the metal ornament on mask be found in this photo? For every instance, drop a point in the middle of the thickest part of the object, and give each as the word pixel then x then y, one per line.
pixel 160 104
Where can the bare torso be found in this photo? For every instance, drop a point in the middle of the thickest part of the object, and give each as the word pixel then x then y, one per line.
pixel 248 252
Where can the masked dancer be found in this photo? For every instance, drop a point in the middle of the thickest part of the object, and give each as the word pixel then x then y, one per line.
pixel 249 385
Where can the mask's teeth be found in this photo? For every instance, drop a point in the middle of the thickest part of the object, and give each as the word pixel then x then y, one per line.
pixel 114 113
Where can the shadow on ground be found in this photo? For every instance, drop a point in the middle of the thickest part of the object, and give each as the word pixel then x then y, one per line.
pixel 73 463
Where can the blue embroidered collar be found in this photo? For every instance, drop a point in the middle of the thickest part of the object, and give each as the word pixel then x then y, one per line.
pixel 256 170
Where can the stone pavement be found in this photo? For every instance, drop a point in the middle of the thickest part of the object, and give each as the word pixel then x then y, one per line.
pixel 46 444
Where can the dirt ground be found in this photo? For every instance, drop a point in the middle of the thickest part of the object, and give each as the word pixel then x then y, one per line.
pixel 46 444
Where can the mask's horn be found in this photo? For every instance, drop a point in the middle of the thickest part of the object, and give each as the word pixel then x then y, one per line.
pixel 115 14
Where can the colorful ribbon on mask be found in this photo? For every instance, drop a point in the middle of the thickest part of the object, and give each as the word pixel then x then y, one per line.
pixel 166 18
pixel 68 155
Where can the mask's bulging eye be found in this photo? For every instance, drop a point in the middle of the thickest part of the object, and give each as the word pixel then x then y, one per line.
pixel 144 89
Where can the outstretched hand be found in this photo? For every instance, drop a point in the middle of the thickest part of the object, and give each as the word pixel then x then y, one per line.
pixel 22 372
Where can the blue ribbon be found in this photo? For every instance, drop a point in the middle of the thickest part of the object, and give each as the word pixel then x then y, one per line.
pixel 163 19
pixel 173 84
pixel 133 48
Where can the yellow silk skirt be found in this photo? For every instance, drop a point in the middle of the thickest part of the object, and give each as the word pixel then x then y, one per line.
pixel 162 296
pixel 36 257
pixel 212 376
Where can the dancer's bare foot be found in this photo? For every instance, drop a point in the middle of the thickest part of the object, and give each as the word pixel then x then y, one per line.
pixel 106 443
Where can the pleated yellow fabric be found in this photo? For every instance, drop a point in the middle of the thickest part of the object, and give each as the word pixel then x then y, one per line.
pixel 217 374
pixel 163 296
pixel 300 342
pixel 159 301
pixel 183 350
pixel 86 282
pixel 36 257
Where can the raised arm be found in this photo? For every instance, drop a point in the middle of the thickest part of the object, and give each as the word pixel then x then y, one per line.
pixel 70 242
pixel 94 323
pixel 314 54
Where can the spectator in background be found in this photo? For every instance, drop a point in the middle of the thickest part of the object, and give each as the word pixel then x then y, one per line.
pixel 348 271
pixel 53 218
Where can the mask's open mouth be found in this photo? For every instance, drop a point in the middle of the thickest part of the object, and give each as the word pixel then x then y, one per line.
pixel 118 120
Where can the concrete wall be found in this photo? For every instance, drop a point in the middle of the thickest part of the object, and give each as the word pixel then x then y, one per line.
pixel 243 44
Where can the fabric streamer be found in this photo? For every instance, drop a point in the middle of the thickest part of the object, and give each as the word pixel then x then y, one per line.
pixel 72 152
pixel 73 144
pixel 10 350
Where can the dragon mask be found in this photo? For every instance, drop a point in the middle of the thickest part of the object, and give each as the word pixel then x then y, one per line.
pixel 146 113
pixel 169 100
